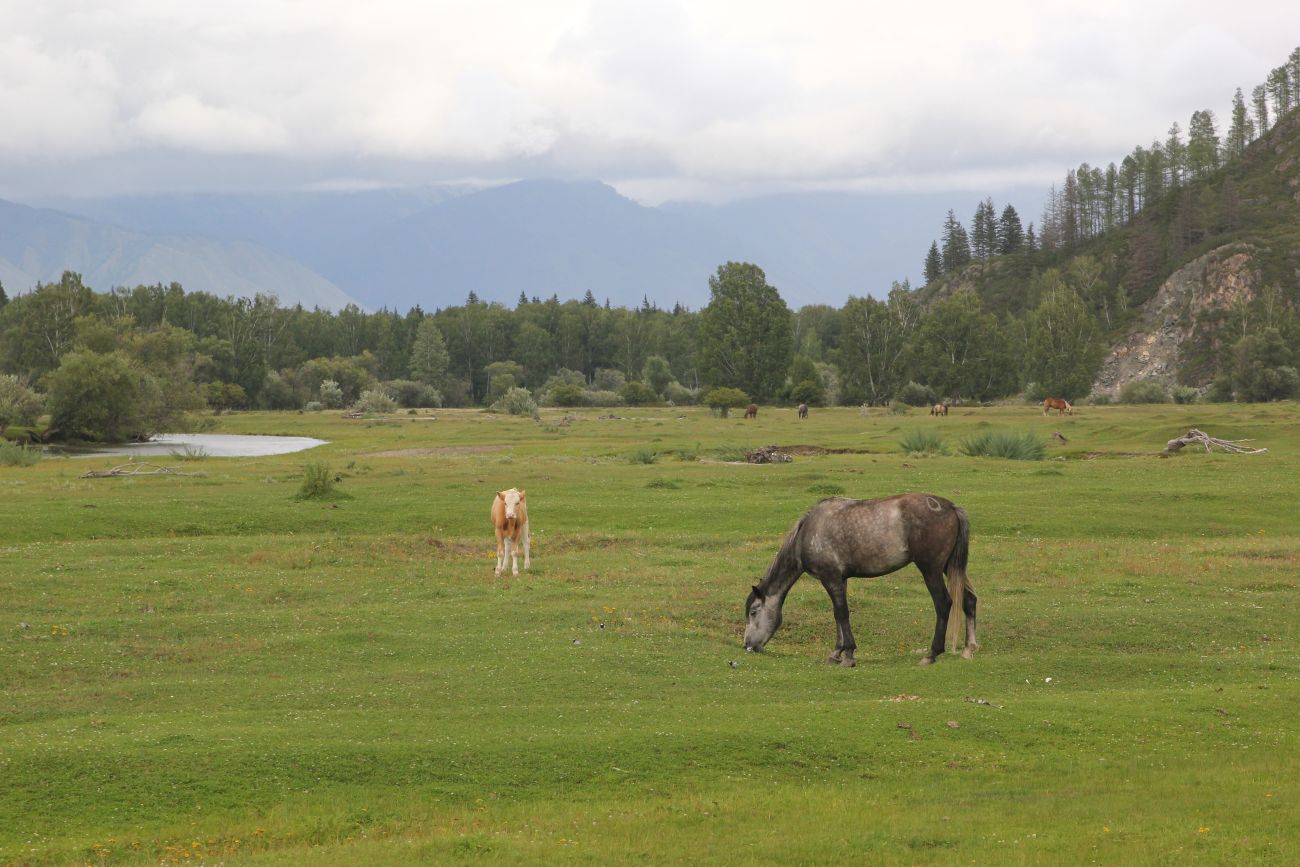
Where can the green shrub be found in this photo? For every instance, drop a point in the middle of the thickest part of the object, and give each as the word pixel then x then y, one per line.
pixel 1034 393
pixel 643 456
pixel 375 400
pixel 915 394
pixel 1012 445
pixel 604 398
pixel 922 442
pixel 1143 391
pixel 516 401
pixel 808 391
pixel 17 455
pixel 565 394
pixel 1220 390
pixel 331 394
pixel 638 394
pixel 408 393
pixel 680 395
pixel 1099 399
pixel 18 404
pixel 1184 394
pixel 897 407
pixel 723 399
pixel 319 483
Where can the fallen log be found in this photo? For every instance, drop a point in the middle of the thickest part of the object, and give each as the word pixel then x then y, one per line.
pixel 137 469
pixel 1194 437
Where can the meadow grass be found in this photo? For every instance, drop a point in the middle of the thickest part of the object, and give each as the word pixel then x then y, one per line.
pixel 205 669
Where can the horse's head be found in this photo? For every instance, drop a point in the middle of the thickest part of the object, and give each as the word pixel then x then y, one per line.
pixel 512 498
pixel 762 619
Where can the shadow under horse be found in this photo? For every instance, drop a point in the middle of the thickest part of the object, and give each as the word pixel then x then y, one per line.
pixel 839 538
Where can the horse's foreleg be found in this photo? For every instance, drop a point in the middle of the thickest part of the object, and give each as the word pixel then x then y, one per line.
pixel 942 603
pixel 845 646
pixel 968 606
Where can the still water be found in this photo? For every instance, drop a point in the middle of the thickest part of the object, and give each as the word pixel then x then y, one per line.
pixel 211 445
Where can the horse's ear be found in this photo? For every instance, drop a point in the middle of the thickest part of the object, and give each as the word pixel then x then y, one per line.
pixel 523 494
pixel 501 495
pixel 757 592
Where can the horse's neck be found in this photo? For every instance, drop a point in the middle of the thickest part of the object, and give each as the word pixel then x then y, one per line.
pixel 779 579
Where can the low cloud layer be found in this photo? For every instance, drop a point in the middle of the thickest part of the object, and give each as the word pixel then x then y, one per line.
pixel 706 98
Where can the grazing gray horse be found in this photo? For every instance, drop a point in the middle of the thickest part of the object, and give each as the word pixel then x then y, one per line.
pixel 839 538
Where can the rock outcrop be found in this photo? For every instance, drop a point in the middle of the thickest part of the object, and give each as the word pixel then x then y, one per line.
pixel 1208 285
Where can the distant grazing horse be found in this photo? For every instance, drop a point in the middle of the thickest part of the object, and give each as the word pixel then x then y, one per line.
pixel 939 409
pixel 510 517
pixel 841 538
pixel 1058 403
pixel 803 410
pixel 751 411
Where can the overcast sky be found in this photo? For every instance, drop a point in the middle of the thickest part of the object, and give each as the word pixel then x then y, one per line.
pixel 699 99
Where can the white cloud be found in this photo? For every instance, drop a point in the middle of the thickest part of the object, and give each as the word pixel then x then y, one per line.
pixel 704 95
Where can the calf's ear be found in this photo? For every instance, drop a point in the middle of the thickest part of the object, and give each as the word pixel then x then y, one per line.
pixel 522 494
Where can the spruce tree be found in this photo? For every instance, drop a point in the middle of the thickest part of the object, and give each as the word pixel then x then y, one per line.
pixel 956 245
pixel 1259 99
pixel 933 264
pixel 1011 235
pixel 1241 131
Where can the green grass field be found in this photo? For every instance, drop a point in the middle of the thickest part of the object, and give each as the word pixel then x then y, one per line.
pixel 206 670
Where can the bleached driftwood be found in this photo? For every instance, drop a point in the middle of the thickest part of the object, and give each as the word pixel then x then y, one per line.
pixel 137 469
pixel 1194 436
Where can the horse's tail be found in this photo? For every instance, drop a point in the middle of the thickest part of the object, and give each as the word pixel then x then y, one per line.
pixel 957 581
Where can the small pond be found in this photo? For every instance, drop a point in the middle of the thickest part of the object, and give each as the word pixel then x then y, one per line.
pixel 210 445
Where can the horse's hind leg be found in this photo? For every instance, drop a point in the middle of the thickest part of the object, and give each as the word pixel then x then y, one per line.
pixel 942 603
pixel 968 606
pixel 845 646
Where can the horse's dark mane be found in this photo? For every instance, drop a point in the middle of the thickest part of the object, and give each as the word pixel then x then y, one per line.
pixel 787 563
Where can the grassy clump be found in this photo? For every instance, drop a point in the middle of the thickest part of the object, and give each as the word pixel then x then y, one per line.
pixel 320 483
pixel 643 456
pixel 1011 445
pixel 663 484
pixel 18 455
pixel 922 442
pixel 826 490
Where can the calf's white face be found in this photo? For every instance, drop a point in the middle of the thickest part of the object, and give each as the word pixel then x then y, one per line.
pixel 512 500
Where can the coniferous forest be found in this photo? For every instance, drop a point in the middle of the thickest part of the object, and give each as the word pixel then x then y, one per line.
pixel 1008 307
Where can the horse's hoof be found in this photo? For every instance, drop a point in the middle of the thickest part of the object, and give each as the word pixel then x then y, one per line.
pixel 926 660
pixel 834 658
pixel 848 662
pixel 968 653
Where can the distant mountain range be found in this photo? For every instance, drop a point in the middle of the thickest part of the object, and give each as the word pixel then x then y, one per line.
pixel 432 246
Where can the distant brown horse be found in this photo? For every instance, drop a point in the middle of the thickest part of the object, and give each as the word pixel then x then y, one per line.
pixel 803 410
pixel 751 411
pixel 1058 403
pixel 939 409
pixel 510 518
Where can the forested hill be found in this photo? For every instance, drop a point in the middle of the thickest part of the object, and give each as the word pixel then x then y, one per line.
pixel 1176 255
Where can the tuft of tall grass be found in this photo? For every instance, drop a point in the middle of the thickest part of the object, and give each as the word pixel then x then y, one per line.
pixel 643 456
pixel 922 442
pixel 18 455
pixel 319 483
pixel 1012 445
